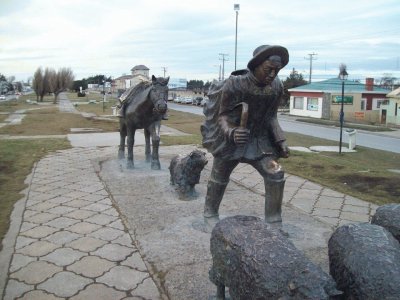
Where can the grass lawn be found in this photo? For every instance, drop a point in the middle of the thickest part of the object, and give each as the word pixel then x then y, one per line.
pixel 376 128
pixel 364 174
pixel 14 105
pixel 48 120
pixel 3 117
pixel 99 108
pixel 185 122
pixel 17 158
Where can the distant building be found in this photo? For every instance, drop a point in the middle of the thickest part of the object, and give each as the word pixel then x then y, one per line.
pixel 140 70
pixel 177 83
pixel 138 73
pixel 177 86
pixel 120 82
pixel 390 110
pixel 323 100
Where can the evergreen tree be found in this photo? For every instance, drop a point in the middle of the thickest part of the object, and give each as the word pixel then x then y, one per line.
pixel 295 79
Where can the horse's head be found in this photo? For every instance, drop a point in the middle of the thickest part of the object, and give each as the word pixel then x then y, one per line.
pixel 159 94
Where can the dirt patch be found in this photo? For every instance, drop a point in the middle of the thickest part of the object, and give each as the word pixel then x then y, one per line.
pixel 337 167
pixel 317 167
pixel 363 183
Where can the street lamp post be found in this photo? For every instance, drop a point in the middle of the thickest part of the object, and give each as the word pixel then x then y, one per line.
pixel 236 7
pixel 343 76
pixel 104 93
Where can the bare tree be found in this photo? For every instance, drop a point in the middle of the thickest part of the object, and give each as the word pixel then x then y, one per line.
pixel 37 83
pixel 47 85
pixel 11 79
pixel 342 70
pixel 61 81
pixel 387 81
pixel 51 81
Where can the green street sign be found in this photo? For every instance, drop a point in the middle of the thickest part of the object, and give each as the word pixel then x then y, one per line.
pixel 338 100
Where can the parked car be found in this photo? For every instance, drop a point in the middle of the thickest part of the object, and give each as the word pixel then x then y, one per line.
pixel 178 100
pixel 2 97
pixel 204 101
pixel 197 100
pixel 187 100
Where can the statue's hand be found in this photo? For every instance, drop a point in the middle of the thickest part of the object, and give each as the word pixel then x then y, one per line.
pixel 283 149
pixel 241 135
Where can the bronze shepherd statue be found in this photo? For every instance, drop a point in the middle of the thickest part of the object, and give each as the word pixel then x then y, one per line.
pixel 144 106
pixel 241 126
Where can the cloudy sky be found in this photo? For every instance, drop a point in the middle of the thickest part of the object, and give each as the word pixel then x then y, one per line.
pixel 187 36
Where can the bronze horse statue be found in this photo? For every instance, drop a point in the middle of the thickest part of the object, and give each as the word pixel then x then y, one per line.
pixel 144 107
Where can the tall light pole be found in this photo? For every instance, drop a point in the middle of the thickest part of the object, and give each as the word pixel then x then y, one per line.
pixel 236 7
pixel 104 92
pixel 343 76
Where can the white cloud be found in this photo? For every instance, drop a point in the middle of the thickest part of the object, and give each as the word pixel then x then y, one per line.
pixel 110 37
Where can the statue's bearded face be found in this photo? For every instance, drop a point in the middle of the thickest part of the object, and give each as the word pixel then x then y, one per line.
pixel 267 71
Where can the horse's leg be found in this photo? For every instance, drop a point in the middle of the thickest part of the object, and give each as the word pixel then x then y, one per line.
pixel 155 139
pixel 131 141
pixel 147 149
pixel 122 135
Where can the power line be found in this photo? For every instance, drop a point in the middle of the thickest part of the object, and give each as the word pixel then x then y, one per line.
pixel 311 58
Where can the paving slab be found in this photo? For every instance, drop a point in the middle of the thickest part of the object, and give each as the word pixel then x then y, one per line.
pixel 330 149
pixel 105 139
pixel 73 245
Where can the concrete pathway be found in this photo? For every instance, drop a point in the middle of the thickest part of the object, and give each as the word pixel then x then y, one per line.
pixel 16 117
pixel 71 242
pixel 65 105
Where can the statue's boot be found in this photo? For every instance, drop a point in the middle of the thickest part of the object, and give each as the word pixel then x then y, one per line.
pixel 215 192
pixel 273 200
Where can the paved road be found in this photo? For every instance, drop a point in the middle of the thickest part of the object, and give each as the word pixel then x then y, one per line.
pixel 371 140
pixel 388 141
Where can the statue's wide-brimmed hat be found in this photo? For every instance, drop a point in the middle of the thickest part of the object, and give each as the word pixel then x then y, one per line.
pixel 261 53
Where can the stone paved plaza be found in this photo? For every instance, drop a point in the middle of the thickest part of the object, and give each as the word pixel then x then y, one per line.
pixel 72 242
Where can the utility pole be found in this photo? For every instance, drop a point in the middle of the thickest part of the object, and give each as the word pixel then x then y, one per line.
pixel 311 58
pixel 165 70
pixel 223 64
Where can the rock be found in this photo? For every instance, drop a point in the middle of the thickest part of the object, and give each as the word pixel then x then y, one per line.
pixel 388 216
pixel 257 262
pixel 364 259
